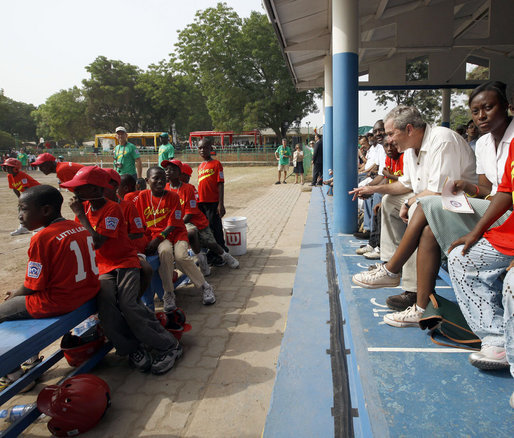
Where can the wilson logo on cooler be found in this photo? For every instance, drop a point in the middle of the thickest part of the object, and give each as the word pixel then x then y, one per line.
pixel 233 239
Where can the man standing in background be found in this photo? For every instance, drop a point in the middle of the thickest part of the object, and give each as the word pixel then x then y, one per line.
pixel 317 161
pixel 126 155
pixel 166 149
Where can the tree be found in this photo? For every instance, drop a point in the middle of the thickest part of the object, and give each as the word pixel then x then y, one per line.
pixel 459 116
pixel 241 72
pixel 15 118
pixel 112 96
pixel 63 116
pixel 7 141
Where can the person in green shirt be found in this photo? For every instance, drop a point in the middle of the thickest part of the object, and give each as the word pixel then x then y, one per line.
pixel 23 157
pixel 166 150
pixel 126 155
pixel 282 154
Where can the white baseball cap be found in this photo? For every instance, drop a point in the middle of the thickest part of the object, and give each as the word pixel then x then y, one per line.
pixel 120 128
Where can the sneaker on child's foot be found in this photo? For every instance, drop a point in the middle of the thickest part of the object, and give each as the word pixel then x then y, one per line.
pixel 374 254
pixel 364 249
pixel 20 230
pixel 164 361
pixel 203 264
pixel 208 294
pixel 169 301
pixel 408 318
pixel 141 359
pixel 489 358
pixel 231 261
pixel 377 278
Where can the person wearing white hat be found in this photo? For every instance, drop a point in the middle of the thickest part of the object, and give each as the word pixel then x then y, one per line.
pixel 126 156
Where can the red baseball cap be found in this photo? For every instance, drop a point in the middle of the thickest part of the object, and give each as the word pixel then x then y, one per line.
pixel 43 158
pixel 166 163
pixel 114 175
pixel 186 168
pixel 93 175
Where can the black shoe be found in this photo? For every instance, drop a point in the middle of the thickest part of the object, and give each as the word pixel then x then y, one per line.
pixel 402 301
pixel 278 182
pixel 364 235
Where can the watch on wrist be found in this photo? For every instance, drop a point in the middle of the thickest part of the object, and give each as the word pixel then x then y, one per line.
pixel 406 203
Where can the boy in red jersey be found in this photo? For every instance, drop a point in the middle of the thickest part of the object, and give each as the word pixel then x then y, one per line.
pixel 198 230
pixel 211 192
pixel 61 272
pixel 162 213
pixel 65 170
pixel 19 182
pixel 127 322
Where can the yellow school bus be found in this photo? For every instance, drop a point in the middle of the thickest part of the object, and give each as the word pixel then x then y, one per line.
pixel 143 140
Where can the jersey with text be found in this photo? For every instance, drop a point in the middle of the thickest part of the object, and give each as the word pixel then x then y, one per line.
pixel 394 166
pixel 158 213
pixel 189 202
pixel 61 269
pixel 21 181
pixel 117 251
pixel 134 225
pixel 210 173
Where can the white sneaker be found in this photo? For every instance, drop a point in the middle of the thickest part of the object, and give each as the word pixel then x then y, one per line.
pixel 203 264
pixel 364 249
pixel 489 358
pixel 374 254
pixel 208 294
pixel 376 278
pixel 407 318
pixel 21 230
pixel 169 302
pixel 231 261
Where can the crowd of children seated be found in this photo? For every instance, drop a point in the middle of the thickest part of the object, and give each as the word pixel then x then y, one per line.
pixel 103 252
pixel 411 232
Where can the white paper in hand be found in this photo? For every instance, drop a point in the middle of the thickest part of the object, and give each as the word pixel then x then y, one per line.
pixel 457 203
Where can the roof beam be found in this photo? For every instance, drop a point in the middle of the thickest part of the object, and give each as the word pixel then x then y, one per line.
pixel 309 61
pixel 320 43
pixel 477 15
pixel 381 8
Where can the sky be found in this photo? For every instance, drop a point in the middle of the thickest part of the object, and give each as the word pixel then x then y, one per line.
pixel 46 44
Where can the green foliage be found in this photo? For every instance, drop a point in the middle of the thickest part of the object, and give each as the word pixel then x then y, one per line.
pixel 15 118
pixel 459 115
pixel 6 141
pixel 63 116
pixel 112 96
pixel 241 71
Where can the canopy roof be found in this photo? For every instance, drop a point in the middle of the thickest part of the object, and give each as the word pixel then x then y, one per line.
pixel 444 34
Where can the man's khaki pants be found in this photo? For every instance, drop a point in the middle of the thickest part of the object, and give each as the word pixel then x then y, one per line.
pixel 393 229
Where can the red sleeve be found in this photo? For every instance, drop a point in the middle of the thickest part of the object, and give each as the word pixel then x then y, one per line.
pixel 508 174
pixel 109 220
pixel 38 267
pixel 10 179
pixel 135 224
pixel 219 171
pixel 190 200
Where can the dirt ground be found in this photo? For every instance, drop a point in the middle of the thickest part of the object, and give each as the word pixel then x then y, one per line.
pixel 242 184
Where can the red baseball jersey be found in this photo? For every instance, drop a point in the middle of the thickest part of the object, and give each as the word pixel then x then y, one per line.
pixel 21 181
pixel 189 202
pixel 158 213
pixel 394 166
pixel 117 251
pixel 61 268
pixel 210 173
pixel 134 225
pixel 132 196
pixel 67 170
pixel 502 237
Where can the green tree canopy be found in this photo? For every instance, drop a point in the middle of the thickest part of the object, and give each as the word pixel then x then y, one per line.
pixel 63 116
pixel 15 118
pixel 241 72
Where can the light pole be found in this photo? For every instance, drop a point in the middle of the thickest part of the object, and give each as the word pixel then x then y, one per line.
pixel 308 135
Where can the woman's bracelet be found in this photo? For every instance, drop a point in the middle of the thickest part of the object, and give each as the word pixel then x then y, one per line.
pixel 487 197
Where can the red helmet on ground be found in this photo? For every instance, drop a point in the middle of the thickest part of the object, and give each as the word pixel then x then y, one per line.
pixel 12 162
pixel 76 351
pixel 174 322
pixel 76 405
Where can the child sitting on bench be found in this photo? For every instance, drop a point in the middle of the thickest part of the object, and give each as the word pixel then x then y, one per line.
pixel 198 230
pixel 61 272
pixel 127 322
pixel 162 213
